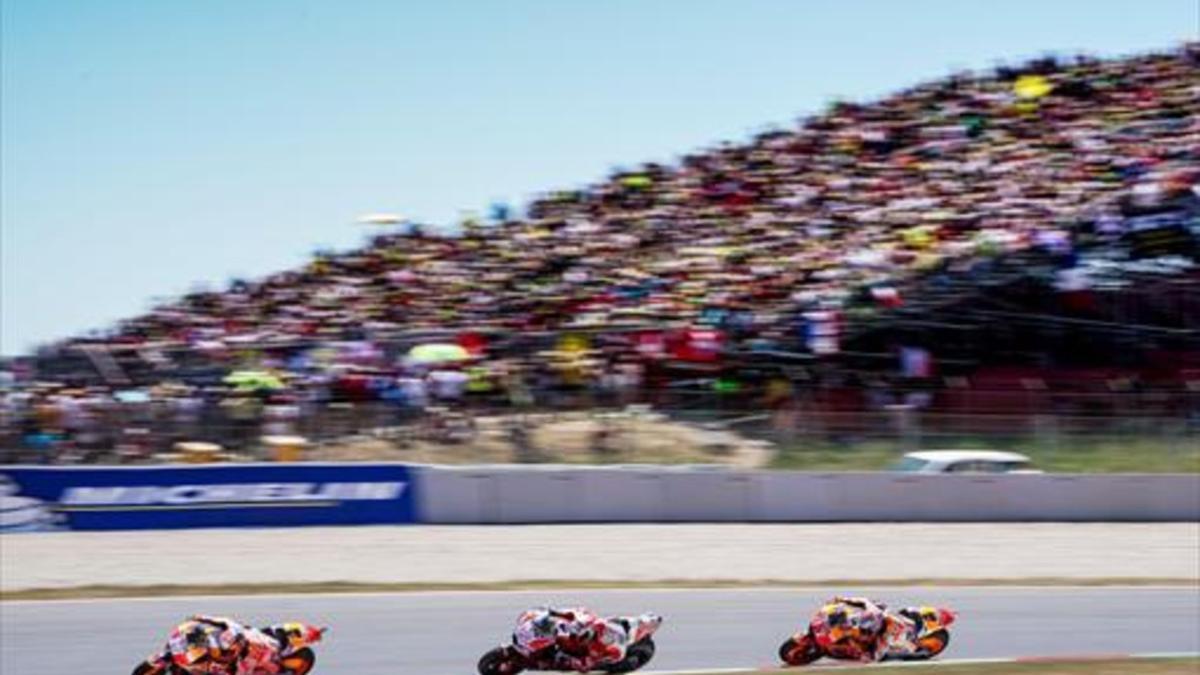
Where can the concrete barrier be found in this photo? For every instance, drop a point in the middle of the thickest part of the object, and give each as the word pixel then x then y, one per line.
pixel 514 494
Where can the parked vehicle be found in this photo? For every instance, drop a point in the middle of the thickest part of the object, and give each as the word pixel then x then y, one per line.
pixel 964 461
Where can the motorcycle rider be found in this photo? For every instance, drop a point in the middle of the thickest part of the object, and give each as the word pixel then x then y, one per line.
pixel 851 628
pixel 861 629
pixel 592 641
pixel 535 634
pixel 197 646
pixel 261 652
pixel 539 631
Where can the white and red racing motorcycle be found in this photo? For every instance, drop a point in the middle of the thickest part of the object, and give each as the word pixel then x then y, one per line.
pixel 527 652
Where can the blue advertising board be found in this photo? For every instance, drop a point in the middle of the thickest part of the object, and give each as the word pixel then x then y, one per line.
pixel 1162 234
pixel 134 498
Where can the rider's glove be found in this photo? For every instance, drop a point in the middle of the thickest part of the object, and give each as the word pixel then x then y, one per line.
pixel 211 620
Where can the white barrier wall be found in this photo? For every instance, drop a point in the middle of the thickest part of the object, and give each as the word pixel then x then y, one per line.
pixel 507 494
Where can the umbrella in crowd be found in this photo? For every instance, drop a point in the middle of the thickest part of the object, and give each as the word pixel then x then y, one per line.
pixel 1032 86
pixel 379 219
pixel 437 353
pixel 132 396
pixel 637 182
pixel 254 380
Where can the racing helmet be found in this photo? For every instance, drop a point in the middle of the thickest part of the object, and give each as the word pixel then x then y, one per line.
pixel 544 626
pixel 229 644
pixel 230 639
pixel 586 630
pixel 869 622
pixel 194 645
pixel 535 632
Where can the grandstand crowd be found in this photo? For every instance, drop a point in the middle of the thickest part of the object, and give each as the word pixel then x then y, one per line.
pixel 761 244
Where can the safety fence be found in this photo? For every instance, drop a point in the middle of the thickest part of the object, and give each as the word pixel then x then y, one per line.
pixel 86 498
pixel 899 423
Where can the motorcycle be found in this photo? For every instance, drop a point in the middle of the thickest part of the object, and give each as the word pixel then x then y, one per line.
pixel 509 659
pixel 291 642
pixel 912 634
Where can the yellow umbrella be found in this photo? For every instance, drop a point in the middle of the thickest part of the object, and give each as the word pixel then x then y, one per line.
pixel 254 380
pixel 438 353
pixel 1032 86
pixel 573 343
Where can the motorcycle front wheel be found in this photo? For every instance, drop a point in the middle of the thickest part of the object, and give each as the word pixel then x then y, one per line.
pixel 300 662
pixel 499 661
pixel 935 643
pixel 930 646
pixel 635 657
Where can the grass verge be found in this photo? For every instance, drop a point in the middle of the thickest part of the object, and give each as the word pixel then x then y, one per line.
pixel 1070 455
pixel 1098 666
pixel 166 590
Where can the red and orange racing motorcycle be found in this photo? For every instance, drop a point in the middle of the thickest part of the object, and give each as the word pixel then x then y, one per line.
pixel 287 645
pixel 924 633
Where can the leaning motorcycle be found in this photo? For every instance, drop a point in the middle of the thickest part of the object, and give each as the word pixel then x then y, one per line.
pixel 507 659
pixel 291 641
pixel 927 636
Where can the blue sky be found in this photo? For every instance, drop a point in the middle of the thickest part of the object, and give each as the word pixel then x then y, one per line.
pixel 149 146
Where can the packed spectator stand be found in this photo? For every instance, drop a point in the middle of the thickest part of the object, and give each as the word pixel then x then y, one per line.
pixel 1035 228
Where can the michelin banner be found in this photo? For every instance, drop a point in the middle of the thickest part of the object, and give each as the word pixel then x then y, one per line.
pixel 135 498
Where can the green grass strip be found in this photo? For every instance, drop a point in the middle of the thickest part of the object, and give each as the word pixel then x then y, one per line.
pixel 166 590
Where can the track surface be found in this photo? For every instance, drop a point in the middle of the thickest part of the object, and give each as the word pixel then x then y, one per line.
pixel 795 552
pixel 444 633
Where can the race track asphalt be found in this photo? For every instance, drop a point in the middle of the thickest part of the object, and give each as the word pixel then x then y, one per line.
pixel 445 633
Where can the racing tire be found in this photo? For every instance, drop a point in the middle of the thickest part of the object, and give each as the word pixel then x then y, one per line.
pixel 148 668
pixel 499 661
pixel 637 656
pixel 795 652
pixel 931 645
pixel 300 662
pixel 935 643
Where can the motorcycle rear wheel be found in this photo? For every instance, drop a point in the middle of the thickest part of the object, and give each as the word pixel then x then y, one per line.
pixel 930 646
pixel 637 656
pixel 148 668
pixel 499 661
